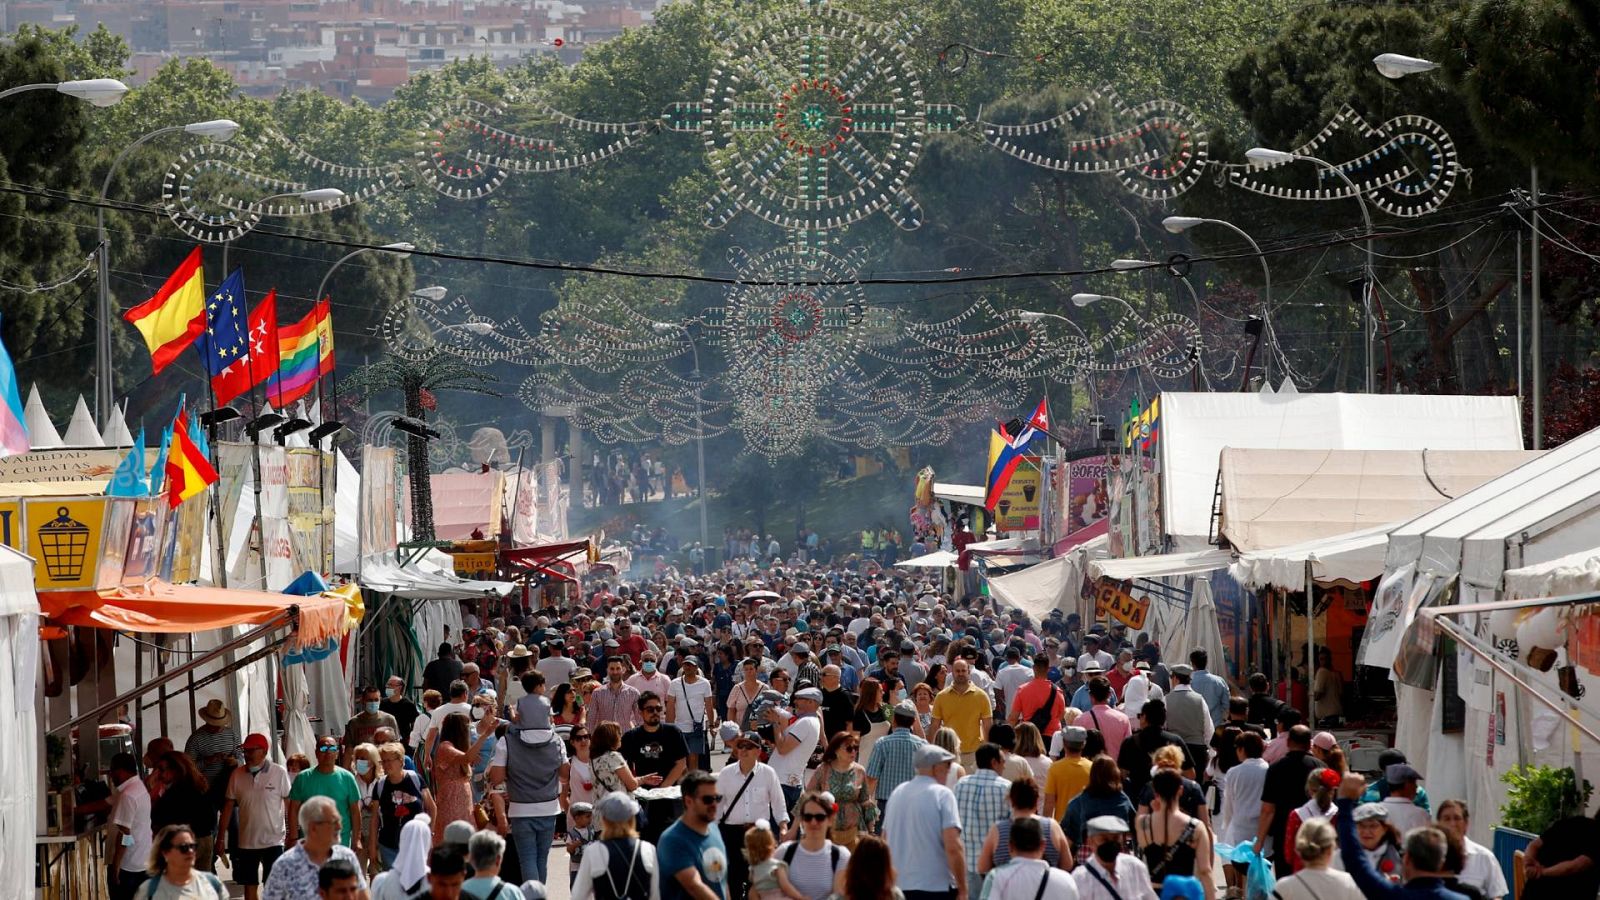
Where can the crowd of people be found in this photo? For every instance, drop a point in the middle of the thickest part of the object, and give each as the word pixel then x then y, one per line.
pixel 885 742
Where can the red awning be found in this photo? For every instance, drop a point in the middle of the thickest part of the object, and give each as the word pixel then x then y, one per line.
pixel 528 556
pixel 1081 536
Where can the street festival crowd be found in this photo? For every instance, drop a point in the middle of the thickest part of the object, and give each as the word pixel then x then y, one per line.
pixel 886 742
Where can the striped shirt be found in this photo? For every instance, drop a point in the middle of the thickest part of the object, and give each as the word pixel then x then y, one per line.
pixel 620 706
pixel 982 799
pixel 203 743
pixel 890 762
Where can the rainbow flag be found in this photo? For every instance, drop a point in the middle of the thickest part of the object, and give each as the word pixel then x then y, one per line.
pixel 13 431
pixel 188 470
pixel 305 354
pixel 176 315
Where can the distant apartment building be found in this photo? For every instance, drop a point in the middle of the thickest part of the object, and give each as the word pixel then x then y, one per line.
pixel 348 49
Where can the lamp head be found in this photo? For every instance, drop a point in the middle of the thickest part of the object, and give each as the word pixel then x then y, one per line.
pixel 98 91
pixel 261 423
pixel 215 129
pixel 1028 315
pixel 1082 300
pixel 434 293
pixel 1129 265
pixel 481 329
pixel 1395 65
pixel 322 195
pixel 321 432
pixel 1263 156
pixel 1180 224
pixel 401 249
pixel 665 327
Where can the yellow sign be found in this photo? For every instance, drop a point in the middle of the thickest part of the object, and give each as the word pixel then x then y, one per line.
pixel 1115 599
pixel 474 563
pixel 67 536
pixel 1018 506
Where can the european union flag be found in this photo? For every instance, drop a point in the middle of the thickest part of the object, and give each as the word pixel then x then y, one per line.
pixel 225 340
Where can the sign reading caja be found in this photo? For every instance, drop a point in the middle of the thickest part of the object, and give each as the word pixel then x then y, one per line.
pixel 1115 599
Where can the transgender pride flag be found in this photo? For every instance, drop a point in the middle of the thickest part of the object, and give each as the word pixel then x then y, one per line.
pixel 13 433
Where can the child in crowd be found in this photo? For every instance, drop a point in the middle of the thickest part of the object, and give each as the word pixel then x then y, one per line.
pixel 580 834
pixel 769 877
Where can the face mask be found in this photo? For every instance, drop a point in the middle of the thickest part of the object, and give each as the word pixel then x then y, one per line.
pixel 477 713
pixel 255 769
pixel 649 668
pixel 362 766
pixel 372 706
pixel 1108 852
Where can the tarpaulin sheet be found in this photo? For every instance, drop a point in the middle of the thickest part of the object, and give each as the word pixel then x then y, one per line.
pixel 184 609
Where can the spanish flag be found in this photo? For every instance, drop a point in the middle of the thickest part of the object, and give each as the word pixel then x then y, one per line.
pixel 176 315
pixel 188 470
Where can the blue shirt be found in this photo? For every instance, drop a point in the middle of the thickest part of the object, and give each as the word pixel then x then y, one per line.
pixel 890 762
pixel 681 847
pixel 913 824
pixel 1215 690
pixel 1081 701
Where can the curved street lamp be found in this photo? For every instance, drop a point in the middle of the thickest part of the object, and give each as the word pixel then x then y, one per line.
pixel 399 249
pixel 105 387
pixel 97 91
pixel 1264 157
pixel 1180 224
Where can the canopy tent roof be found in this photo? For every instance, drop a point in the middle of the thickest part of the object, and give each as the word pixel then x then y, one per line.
pixel 970 494
pixel 1036 590
pixel 938 559
pixel 1195 427
pixel 546 552
pixel 1192 563
pixel 1012 546
pixel 161 608
pixel 1353 557
pixel 1276 498
pixel 425 580
pixel 464 502
pixel 1575 573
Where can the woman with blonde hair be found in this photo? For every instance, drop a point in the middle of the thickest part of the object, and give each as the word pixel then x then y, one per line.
pixel 172 870
pixel 947 738
pixel 619 835
pixel 1191 798
pixel 1316 845
pixel 1030 748
pixel 922 697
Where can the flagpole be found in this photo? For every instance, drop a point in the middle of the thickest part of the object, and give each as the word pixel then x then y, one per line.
pixel 322 412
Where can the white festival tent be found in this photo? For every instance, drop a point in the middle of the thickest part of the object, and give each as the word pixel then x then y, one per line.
pixel 938 559
pixel 1538 515
pixel 1196 427
pixel 1349 558
pixel 1575 573
pixel 20 805
pixel 1053 584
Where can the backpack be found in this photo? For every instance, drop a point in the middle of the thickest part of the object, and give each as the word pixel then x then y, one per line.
pixel 626 876
pixel 499 892
pixel 1041 716
pixel 833 856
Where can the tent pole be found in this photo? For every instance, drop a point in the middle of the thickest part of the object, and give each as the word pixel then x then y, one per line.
pixel 1311 650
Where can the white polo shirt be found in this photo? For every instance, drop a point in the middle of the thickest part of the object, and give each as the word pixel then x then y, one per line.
pixel 131 810
pixel 259 799
pixel 791 766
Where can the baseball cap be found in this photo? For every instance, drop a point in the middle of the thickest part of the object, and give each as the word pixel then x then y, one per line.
pixel 1324 740
pixel 255 742
pixel 930 755
pixel 729 732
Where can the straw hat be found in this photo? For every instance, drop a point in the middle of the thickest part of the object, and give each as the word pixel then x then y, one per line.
pixel 215 713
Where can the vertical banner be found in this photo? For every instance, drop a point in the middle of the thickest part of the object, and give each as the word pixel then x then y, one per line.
pixel 275 541
pixel 307 510
pixel 145 539
pixel 552 501
pixel 525 508
pixel 234 477
pixel 379 511
pixel 1087 498
pixel 183 542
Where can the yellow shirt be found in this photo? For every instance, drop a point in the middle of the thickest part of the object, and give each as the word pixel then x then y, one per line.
pixel 1066 779
pixel 964 713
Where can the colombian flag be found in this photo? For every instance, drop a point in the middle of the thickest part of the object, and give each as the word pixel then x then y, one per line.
pixel 305 354
pixel 188 470
pixel 176 315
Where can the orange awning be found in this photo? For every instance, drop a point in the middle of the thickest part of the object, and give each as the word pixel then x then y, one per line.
pixel 164 608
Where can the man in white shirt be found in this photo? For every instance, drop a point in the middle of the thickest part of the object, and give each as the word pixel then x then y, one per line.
pixel 1111 874
pixel 1092 651
pixel 459 701
pixel 796 741
pixel 556 665
pixel 750 792
pixel 691 708
pixel 1479 869
pixel 1011 677
pixel 1027 876
pixel 259 789
pixel 129 852
pixel 1404 814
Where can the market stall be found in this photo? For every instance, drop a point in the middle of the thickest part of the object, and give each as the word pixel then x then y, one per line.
pixel 19 764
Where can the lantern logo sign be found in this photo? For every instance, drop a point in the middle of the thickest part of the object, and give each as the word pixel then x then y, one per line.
pixel 66 536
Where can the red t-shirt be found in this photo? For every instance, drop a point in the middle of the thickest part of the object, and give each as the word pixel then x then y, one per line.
pixel 634 646
pixel 1033 695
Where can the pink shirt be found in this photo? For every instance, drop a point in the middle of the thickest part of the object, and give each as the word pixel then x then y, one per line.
pixel 1112 724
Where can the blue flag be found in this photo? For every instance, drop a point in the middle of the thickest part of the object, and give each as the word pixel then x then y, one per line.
pixel 158 472
pixel 198 435
pixel 129 479
pixel 225 339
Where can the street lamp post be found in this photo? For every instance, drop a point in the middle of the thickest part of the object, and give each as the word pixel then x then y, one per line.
pixel 1262 156
pixel 105 387
pixel 699 425
pixel 399 249
pixel 1180 224
pixel 1031 316
pixel 98 91
pixel 1395 66
pixel 316 196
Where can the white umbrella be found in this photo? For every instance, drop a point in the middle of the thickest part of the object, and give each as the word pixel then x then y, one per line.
pixel 762 595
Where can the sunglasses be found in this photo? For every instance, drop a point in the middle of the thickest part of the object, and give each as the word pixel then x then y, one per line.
pixel 710 799
pixel 580 737
pixel 814 817
pixel 853 748
pixel 328 748
pixel 185 848
pixel 652 708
